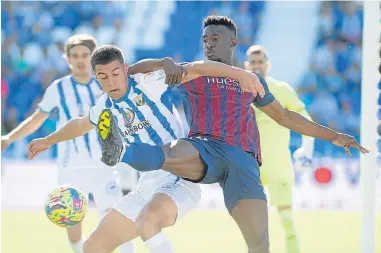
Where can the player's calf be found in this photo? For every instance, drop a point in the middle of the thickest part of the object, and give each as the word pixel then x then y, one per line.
pixel 252 219
pixel 114 230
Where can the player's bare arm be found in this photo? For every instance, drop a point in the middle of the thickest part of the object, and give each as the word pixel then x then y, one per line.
pixel 248 81
pixel 27 127
pixel 176 73
pixel 298 123
pixel 173 71
pixel 71 130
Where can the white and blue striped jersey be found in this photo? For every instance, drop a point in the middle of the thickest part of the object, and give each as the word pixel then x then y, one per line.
pixel 145 114
pixel 74 100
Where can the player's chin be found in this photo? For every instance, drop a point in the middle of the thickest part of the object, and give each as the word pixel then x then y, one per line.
pixel 114 94
pixel 213 58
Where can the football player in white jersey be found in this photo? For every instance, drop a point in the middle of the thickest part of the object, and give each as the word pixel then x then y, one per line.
pixel 138 107
pixel 78 159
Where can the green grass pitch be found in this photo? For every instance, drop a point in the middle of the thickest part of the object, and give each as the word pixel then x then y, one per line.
pixel 199 232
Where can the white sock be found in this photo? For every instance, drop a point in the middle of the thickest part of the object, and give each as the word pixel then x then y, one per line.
pixel 159 244
pixel 78 246
pixel 127 247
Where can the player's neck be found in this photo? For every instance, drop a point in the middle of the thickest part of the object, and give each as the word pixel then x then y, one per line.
pixel 228 62
pixel 82 79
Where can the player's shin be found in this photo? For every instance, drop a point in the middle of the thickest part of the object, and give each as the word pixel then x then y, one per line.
pixel 144 157
pixel 292 242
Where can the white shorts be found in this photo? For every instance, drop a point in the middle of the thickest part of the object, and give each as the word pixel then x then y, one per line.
pixel 100 181
pixel 186 195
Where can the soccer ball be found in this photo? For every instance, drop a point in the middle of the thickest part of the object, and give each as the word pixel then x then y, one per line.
pixel 66 206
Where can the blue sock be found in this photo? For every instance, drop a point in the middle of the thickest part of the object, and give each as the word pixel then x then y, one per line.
pixel 144 157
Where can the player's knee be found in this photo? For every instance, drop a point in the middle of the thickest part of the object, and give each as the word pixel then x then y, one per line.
pixel 152 219
pixel 146 224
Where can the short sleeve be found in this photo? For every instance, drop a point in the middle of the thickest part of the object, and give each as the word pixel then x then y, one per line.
pixel 267 99
pixel 97 109
pixel 51 98
pixel 153 83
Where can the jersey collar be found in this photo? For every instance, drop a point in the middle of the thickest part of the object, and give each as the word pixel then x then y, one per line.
pixel 76 82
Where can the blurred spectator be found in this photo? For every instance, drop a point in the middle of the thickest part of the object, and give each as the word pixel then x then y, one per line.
pixel 226 9
pixel 331 86
pixel 324 108
pixel 351 23
pixel 324 58
pixel 244 22
pixel 326 22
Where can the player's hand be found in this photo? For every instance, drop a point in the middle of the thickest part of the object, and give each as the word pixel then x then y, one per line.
pixel 251 83
pixel 173 71
pixel 303 161
pixel 5 142
pixel 346 141
pixel 37 146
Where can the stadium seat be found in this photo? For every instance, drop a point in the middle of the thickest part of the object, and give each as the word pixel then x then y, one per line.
pixel 84 29
pixel 33 53
pixel 2 37
pixel 106 35
pixel 129 41
pixel 152 40
pixel 161 21
pixel 168 7
pixel 61 33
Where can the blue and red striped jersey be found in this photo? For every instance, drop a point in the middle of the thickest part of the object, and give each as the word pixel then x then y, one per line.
pixel 217 108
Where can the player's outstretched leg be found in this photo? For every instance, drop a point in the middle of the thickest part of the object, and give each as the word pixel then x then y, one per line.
pixel 159 213
pixel 180 158
pixel 75 238
pixel 114 230
pixel 252 218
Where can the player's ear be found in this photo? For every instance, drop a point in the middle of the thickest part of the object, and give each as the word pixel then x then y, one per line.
pixel 233 42
pixel 246 64
pixel 268 66
pixel 126 68
pixel 65 58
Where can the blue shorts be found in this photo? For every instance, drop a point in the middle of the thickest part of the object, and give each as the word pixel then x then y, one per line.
pixel 235 170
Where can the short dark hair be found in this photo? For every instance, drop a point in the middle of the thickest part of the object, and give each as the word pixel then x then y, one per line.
pixel 221 20
pixel 80 39
pixel 105 55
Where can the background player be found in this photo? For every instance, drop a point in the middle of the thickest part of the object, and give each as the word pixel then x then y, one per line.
pixel 78 160
pixel 224 143
pixel 277 170
pixel 142 115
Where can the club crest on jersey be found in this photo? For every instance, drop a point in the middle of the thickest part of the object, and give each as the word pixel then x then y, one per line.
pixel 128 116
pixel 139 100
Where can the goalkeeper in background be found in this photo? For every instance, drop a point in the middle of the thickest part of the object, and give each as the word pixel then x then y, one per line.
pixel 277 170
